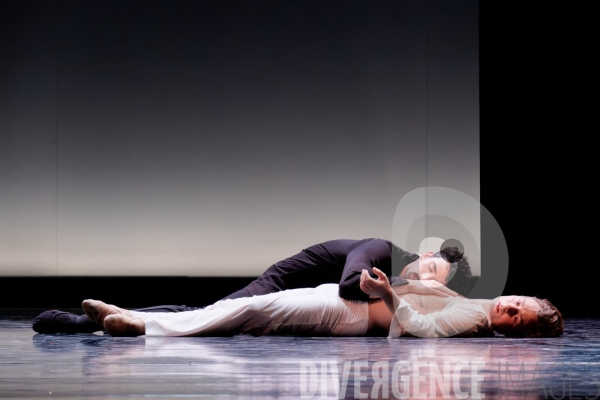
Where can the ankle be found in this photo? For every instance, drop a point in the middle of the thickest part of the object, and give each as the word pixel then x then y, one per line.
pixel 137 326
pixel 121 325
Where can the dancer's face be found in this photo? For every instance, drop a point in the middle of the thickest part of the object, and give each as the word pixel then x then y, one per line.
pixel 429 268
pixel 514 314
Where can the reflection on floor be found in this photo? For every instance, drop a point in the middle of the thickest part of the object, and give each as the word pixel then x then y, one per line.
pixel 100 366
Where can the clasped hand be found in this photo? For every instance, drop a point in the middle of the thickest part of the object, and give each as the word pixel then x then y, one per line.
pixel 380 287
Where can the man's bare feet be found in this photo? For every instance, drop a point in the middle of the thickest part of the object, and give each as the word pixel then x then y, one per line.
pixel 97 310
pixel 122 325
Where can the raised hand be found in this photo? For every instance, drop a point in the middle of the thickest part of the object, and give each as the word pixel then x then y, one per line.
pixel 379 287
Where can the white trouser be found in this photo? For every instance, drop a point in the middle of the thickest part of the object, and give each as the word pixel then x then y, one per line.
pixel 312 311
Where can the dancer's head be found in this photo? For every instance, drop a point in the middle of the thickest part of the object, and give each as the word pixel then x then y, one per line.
pixel 448 266
pixel 524 316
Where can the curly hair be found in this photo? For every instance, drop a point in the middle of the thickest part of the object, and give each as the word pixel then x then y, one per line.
pixel 459 266
pixel 550 322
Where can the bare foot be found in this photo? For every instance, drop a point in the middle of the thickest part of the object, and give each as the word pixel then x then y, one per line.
pixel 122 325
pixel 97 310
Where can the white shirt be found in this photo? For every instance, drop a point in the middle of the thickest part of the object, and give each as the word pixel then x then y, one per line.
pixel 457 317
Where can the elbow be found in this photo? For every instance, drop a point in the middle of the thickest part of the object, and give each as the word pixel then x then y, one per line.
pixel 345 292
pixel 349 291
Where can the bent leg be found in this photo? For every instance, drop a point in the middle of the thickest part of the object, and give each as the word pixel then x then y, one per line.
pixel 302 270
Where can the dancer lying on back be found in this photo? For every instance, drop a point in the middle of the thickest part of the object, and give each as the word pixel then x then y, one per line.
pixel 321 312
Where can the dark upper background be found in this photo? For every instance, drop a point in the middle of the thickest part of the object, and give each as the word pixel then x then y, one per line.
pixel 534 114
pixel 524 84
pixel 212 138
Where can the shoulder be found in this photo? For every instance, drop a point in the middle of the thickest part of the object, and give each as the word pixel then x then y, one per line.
pixel 465 309
pixel 474 316
pixel 374 244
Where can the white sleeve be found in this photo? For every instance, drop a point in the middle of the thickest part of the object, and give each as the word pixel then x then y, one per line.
pixel 452 320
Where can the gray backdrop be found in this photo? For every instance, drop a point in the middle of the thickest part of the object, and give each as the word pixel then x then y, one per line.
pixel 217 137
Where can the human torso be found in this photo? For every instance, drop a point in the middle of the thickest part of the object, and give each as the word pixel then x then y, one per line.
pixel 380 317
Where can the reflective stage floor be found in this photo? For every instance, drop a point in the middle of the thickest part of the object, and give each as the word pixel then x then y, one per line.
pixel 268 367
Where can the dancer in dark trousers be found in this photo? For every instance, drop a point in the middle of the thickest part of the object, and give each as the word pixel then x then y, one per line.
pixel 336 261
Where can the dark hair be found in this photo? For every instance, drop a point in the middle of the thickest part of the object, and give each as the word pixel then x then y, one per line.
pixel 550 321
pixel 459 266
